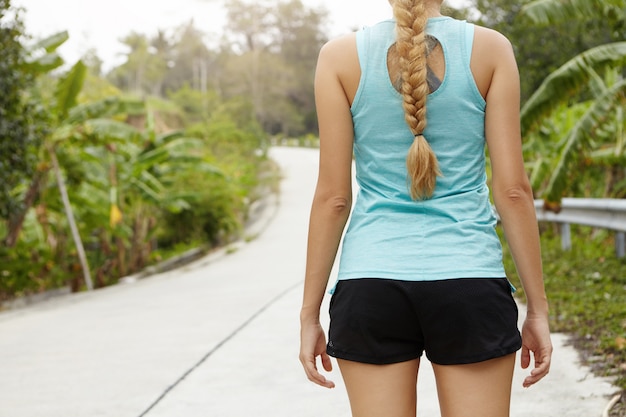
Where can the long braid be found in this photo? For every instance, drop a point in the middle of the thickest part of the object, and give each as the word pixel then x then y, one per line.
pixel 422 164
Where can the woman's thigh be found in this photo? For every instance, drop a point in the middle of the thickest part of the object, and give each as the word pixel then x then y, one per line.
pixel 381 390
pixel 480 389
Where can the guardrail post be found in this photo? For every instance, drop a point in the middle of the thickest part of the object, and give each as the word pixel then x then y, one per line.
pixel 605 213
pixel 620 244
pixel 566 236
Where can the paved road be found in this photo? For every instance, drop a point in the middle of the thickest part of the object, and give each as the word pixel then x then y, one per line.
pixel 217 338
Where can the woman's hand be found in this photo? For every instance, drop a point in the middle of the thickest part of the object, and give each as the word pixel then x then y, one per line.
pixel 312 345
pixel 536 339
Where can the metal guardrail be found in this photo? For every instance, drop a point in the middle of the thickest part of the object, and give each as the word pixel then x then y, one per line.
pixel 603 213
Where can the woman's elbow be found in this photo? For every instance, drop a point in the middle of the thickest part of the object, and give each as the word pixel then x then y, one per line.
pixel 335 205
pixel 340 204
pixel 514 194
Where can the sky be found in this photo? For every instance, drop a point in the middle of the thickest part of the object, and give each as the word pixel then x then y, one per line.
pixel 100 24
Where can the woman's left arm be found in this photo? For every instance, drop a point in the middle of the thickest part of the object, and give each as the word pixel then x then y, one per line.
pixel 332 200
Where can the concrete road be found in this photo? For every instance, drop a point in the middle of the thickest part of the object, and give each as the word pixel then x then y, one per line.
pixel 217 338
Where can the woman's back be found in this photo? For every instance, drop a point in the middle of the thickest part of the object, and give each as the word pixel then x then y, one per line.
pixel 451 234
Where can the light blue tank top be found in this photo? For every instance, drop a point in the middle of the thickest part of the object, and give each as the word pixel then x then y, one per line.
pixel 451 235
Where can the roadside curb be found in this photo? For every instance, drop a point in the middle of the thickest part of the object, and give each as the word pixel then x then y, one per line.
pixel 261 213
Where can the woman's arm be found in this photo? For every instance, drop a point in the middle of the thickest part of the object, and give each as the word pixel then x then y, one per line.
pixel 514 199
pixel 333 196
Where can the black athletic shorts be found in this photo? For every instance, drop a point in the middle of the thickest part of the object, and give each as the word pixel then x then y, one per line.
pixel 455 321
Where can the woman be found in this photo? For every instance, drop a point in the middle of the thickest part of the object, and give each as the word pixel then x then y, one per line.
pixel 415 100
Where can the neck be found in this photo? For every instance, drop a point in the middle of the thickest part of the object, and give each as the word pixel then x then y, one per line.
pixel 433 8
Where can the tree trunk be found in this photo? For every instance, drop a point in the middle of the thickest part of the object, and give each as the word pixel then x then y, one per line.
pixel 70 219
pixel 121 257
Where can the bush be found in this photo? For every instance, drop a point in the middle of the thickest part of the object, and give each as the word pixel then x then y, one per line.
pixel 586 287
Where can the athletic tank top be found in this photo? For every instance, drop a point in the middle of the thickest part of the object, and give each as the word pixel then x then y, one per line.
pixel 452 234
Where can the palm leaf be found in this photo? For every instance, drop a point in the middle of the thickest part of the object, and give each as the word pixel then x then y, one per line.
pixel 151 181
pixel 51 43
pixel 168 137
pixel 43 64
pixel 176 206
pixel 148 160
pixel 183 145
pixel 570 78
pixel 146 191
pixel 595 118
pixel 539 170
pixel 552 11
pixel 177 150
pixel 608 156
pixel 107 130
pixel 108 107
pixel 68 89
pixel 37 63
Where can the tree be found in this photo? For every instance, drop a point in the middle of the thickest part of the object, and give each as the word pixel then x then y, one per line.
pixel 21 123
pixel 545 12
pixel 301 34
pixel 540 52
pixel 18 138
pixel 276 46
pixel 108 170
pixel 132 75
pixel 250 24
pixel 586 97
pixel 191 60
pixel 38 59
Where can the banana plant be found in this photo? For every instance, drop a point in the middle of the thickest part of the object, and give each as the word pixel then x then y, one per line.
pixel 589 90
pixel 549 11
pixel 603 114
pixel 132 172
pixel 41 59
pixel 67 116
pixel 569 80
pixel 65 96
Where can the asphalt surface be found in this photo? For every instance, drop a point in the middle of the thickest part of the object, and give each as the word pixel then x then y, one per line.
pixel 217 338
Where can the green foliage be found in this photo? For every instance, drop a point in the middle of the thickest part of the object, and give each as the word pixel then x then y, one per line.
pixel 586 287
pixel 577 141
pixel 29 268
pixel 20 120
pixel 551 11
pixel 196 105
pixel 130 183
pixel 133 74
pixel 214 212
pixel 542 49
pixel 108 107
pixel 268 54
pixel 217 208
pixel 574 122
pixel 571 78
pixel 42 57
pixel 68 88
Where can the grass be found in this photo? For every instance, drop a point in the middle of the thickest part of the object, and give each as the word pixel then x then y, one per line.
pixel 586 287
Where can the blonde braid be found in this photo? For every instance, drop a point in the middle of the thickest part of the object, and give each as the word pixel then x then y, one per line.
pixel 422 164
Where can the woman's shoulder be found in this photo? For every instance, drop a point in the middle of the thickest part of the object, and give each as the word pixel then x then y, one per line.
pixel 491 50
pixel 348 41
pixel 338 49
pixel 490 39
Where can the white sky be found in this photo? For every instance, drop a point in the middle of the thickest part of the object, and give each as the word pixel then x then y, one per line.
pixel 100 24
